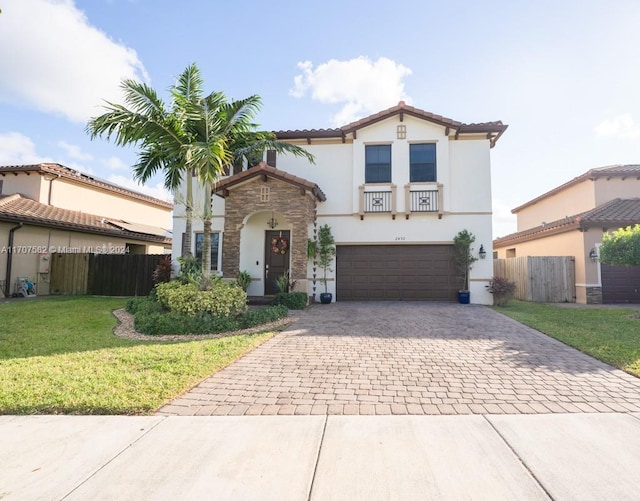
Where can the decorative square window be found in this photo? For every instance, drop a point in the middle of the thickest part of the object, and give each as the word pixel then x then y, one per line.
pixel 401 131
pixel 377 163
pixel 215 244
pixel 265 192
pixel 422 158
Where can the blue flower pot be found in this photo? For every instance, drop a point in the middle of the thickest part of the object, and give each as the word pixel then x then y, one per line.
pixel 464 297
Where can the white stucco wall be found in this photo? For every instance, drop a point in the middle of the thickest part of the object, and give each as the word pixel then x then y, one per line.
pixel 463 168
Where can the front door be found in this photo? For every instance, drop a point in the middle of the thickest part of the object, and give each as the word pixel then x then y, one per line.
pixel 276 259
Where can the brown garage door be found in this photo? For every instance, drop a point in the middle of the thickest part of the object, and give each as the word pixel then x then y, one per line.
pixel 395 272
pixel 620 284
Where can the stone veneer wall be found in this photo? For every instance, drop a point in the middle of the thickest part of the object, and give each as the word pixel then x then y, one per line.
pixel 289 200
pixel 594 295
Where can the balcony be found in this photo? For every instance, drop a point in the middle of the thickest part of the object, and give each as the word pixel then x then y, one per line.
pixel 418 198
pixel 377 200
pixel 423 198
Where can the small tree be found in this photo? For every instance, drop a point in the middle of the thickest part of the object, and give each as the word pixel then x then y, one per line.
pixel 462 256
pixel 622 247
pixel 326 250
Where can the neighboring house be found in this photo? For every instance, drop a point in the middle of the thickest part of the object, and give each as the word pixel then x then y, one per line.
pixel 47 208
pixel 571 219
pixel 395 188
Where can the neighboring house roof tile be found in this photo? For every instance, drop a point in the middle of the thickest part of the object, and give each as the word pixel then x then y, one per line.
pixel 20 209
pixel 610 171
pixel 262 169
pixel 616 213
pixel 491 128
pixel 66 172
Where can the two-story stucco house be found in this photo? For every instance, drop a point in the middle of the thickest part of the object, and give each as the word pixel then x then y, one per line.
pixel 570 220
pixel 49 208
pixel 394 187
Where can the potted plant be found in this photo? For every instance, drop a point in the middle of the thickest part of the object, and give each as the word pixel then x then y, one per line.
pixel 326 250
pixel 464 260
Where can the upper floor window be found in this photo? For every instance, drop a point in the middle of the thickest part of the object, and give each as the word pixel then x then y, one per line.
pixel 377 163
pixel 422 158
pixel 215 243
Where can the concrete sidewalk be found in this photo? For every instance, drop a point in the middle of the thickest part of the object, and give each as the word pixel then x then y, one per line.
pixel 543 456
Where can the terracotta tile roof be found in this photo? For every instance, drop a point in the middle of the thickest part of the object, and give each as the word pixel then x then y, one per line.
pixel 490 128
pixel 622 171
pixel 617 213
pixel 19 209
pixel 68 173
pixel 263 169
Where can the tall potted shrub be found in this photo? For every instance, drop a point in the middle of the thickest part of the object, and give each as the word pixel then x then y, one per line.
pixel 326 250
pixel 464 260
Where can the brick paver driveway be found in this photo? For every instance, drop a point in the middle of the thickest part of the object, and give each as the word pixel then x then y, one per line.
pixel 410 358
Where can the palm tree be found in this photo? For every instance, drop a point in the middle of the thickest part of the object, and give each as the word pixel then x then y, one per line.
pixel 224 135
pixel 200 136
pixel 159 132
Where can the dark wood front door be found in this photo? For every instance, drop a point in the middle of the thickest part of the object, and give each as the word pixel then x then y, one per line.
pixel 276 259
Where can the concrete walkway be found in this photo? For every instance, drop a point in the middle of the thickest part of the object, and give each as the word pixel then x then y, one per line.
pixel 516 457
pixel 410 358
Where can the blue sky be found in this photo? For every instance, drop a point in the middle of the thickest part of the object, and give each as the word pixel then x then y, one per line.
pixel 564 75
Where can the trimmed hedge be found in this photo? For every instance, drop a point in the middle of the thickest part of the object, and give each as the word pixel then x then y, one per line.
pixel 292 300
pixel 155 323
pixel 225 299
pixel 142 304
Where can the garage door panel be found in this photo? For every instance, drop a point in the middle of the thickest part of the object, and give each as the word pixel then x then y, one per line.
pixel 395 272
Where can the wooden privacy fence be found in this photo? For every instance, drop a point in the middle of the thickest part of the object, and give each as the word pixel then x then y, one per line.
pixel 103 274
pixel 541 279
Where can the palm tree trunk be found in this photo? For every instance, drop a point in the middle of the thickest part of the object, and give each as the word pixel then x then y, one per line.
pixel 188 232
pixel 206 244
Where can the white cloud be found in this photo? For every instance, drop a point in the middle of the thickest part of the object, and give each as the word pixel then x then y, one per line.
pixel 74 151
pixel 55 61
pixel 621 126
pixel 364 86
pixel 114 163
pixel 18 149
pixel 157 190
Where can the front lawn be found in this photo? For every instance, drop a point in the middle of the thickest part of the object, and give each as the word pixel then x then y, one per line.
pixel 60 356
pixel 608 334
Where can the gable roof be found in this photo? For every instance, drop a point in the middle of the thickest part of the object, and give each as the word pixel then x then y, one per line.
pixel 66 172
pixel 622 171
pixel 262 169
pixel 17 208
pixel 617 213
pixel 493 129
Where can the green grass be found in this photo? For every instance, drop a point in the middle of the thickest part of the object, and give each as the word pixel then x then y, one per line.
pixel 60 356
pixel 608 334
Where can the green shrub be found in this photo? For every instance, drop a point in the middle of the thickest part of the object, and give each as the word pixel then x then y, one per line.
pixel 502 290
pixel 145 304
pixel 244 280
pixel 292 300
pixel 223 300
pixel 155 323
pixel 262 316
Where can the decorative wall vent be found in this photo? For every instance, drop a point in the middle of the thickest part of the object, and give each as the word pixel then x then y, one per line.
pixel 265 193
pixel 401 131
